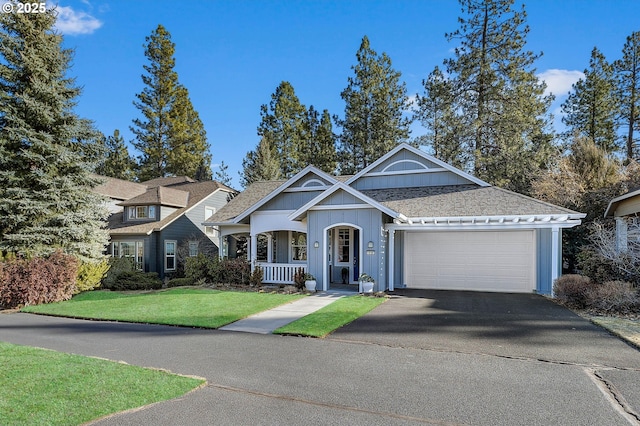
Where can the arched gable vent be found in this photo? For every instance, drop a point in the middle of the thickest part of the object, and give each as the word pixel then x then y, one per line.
pixel 402 165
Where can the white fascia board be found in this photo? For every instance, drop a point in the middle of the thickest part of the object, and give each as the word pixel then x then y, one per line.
pixel 613 204
pixel 422 154
pixel 490 222
pixel 281 188
pixel 337 186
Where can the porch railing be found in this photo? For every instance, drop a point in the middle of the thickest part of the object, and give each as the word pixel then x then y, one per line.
pixel 280 273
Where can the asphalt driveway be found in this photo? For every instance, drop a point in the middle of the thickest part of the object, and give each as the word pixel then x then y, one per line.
pixel 421 358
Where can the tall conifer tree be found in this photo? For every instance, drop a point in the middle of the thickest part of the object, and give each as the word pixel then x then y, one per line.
pixel 375 103
pixel 170 135
pixel 261 164
pixel 627 74
pixel 46 151
pixel 593 106
pixel 117 162
pixel 499 100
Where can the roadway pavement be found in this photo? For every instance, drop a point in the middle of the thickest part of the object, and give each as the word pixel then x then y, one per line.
pixel 420 358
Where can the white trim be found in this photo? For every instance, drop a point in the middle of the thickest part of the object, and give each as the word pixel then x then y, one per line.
pixel 310 181
pixel 424 166
pixel 341 207
pixel 406 172
pixel 307 188
pixel 325 247
pixel 391 268
pixel 281 188
pixel 175 255
pixel 616 200
pixel 555 255
pixel 405 146
pixel 489 222
pixel 340 185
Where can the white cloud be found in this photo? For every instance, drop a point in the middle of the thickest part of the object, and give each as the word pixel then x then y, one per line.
pixel 71 22
pixel 559 82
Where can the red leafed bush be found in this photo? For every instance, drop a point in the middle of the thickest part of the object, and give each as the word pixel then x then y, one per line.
pixel 38 280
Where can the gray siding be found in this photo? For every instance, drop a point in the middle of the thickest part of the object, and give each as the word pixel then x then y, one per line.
pixel 339 198
pixel 543 260
pixel 166 211
pixel 405 165
pixel 370 220
pixel 409 180
pixel 290 200
pixel 309 176
pixel 197 214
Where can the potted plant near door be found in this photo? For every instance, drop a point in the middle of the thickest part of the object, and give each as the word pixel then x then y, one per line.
pixel 366 283
pixel 310 282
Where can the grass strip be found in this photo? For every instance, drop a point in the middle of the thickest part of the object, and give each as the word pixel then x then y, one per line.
pixel 185 307
pixel 331 317
pixel 40 386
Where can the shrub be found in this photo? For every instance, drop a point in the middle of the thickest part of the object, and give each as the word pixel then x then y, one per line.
pixel 180 282
pixel 37 280
pixel 256 277
pixel 299 278
pixel 596 267
pixel 203 268
pixel 613 296
pixel 235 271
pixel 90 275
pixel 117 265
pixel 136 280
pixel 572 290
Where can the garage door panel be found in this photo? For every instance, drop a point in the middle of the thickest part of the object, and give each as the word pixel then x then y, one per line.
pixel 479 260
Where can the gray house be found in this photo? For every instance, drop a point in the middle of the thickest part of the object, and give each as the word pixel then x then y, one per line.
pixel 407 220
pixel 159 222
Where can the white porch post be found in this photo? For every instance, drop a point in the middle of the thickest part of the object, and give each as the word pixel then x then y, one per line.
pixel 555 255
pixel 621 235
pixel 253 251
pixel 220 245
pixel 269 248
pixel 392 247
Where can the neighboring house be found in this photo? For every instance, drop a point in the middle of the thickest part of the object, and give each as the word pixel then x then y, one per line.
pixel 160 221
pixel 407 220
pixel 625 209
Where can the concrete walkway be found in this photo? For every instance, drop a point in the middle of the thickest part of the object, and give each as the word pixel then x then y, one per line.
pixel 267 321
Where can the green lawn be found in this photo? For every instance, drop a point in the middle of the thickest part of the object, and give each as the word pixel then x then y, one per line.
pixel 331 317
pixel 186 307
pixel 43 387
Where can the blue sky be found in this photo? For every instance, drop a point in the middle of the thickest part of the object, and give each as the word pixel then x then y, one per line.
pixel 232 54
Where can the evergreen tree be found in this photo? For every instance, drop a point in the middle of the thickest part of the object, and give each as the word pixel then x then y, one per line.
pixel 282 122
pixel 171 136
pixel 261 164
pixel 627 74
pixel 592 106
pixel 320 141
pixel 436 112
pixel 375 102
pixel 188 148
pixel 46 151
pixel 498 99
pixel 117 162
pixel 222 175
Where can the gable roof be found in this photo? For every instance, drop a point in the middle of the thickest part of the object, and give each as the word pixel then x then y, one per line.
pixel 168 181
pixel 197 192
pixel 416 151
pixel 261 202
pixel 244 200
pixel 118 189
pixel 160 195
pixel 615 202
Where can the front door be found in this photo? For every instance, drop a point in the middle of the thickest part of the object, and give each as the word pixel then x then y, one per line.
pixel 345 252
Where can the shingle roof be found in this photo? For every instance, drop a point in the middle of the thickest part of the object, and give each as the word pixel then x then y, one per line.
pixel 119 189
pixel 168 181
pixel 247 198
pixel 197 192
pixel 461 200
pixel 160 195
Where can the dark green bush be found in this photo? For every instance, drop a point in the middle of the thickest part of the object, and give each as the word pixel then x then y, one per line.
pixel 596 267
pixel 213 270
pixel 180 282
pixel 117 265
pixel 136 280
pixel 37 280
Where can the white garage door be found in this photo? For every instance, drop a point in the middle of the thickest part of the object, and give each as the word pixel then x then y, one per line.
pixel 479 260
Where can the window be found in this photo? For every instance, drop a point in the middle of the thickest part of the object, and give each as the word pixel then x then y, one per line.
pixel 170 255
pixel 142 212
pixel 130 249
pixel 211 231
pixel 343 246
pixel 193 248
pixel 298 246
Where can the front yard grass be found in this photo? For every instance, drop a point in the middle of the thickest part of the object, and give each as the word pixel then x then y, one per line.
pixel 331 317
pixel 626 329
pixel 184 307
pixel 40 386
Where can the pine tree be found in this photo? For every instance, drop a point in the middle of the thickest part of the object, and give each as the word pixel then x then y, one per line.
pixel 436 112
pixel 375 103
pixel 46 151
pixel 627 74
pixel 592 106
pixel 282 122
pixel 320 141
pixel 171 136
pixel 261 164
pixel 499 101
pixel 222 175
pixel 117 163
